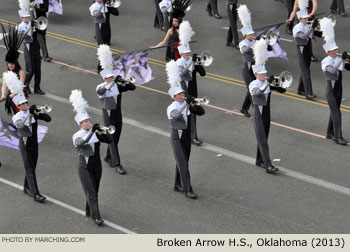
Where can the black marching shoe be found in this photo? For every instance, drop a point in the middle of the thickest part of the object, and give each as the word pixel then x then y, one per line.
pixel 196 141
pixel 209 11
pixel 341 141
pixel 237 46
pixel 27 90
pixel 26 191
pixel 288 31
pixel 191 195
pixel 313 58
pixel 261 164
pixel 88 214
pixel 245 113
pixel 271 169
pixel 311 97
pixel 99 221
pixel 301 93
pixel 330 136
pixel 39 198
pixel 178 188
pixel 120 169
pixel 230 44
pixel 217 16
pixel 39 91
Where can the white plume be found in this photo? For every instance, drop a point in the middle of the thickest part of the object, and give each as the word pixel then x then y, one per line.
pixel 105 57
pixel 303 4
pixel 172 70
pixel 260 52
pixel 13 83
pixel 78 101
pixel 23 4
pixel 185 32
pixel 244 15
pixel 327 28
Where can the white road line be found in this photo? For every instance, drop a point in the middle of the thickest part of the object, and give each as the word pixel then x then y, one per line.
pixel 225 28
pixel 243 158
pixel 69 207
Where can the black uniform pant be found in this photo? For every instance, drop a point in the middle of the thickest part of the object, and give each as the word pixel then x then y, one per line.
pixel 262 129
pixel 334 95
pixel 289 6
pixel 213 6
pixel 114 119
pixel 158 20
pixel 248 77
pixel 90 180
pixel 182 148
pixel 193 126
pixel 103 32
pixel 33 67
pixel 338 5
pixel 232 32
pixel 30 158
pixel 42 42
pixel 305 84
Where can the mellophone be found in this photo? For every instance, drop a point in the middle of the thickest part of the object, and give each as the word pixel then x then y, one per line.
pixel 284 80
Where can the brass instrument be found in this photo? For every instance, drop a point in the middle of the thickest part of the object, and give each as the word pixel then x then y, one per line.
pixel 41 22
pixel 113 3
pixel 204 59
pixel 284 80
pixel 123 81
pixel 270 37
pixel 43 109
pixel 198 101
pixel 347 60
pixel 104 130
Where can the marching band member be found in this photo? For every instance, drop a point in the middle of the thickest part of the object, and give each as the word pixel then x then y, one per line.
pixel 178 114
pixel 110 94
pixel 41 8
pixel 212 9
pixel 166 8
pixel 246 50
pixel 12 42
pixel 87 142
pixel 188 71
pixel 158 19
pixel 261 94
pixel 31 49
pixel 100 13
pixel 332 67
pixel 26 123
pixel 232 32
pixel 302 34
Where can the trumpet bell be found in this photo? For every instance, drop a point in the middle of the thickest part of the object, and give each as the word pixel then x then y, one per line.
pixel 114 3
pixel 132 79
pixel 285 79
pixel 111 130
pixel 41 23
pixel 205 100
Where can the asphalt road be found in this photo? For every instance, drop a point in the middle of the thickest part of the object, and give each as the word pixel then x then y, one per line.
pixel 309 195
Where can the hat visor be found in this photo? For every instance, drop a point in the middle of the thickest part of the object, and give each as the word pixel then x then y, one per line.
pixel 26 15
pixel 21 102
pixel 261 72
pixel 109 75
pixel 179 92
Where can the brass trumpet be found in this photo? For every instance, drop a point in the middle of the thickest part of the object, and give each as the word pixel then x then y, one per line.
pixel 198 101
pixel 43 109
pixel 122 81
pixel 347 60
pixel 104 130
pixel 204 59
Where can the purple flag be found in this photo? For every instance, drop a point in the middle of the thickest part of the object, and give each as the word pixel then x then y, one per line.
pixel 133 64
pixel 55 6
pixel 9 137
pixel 277 51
